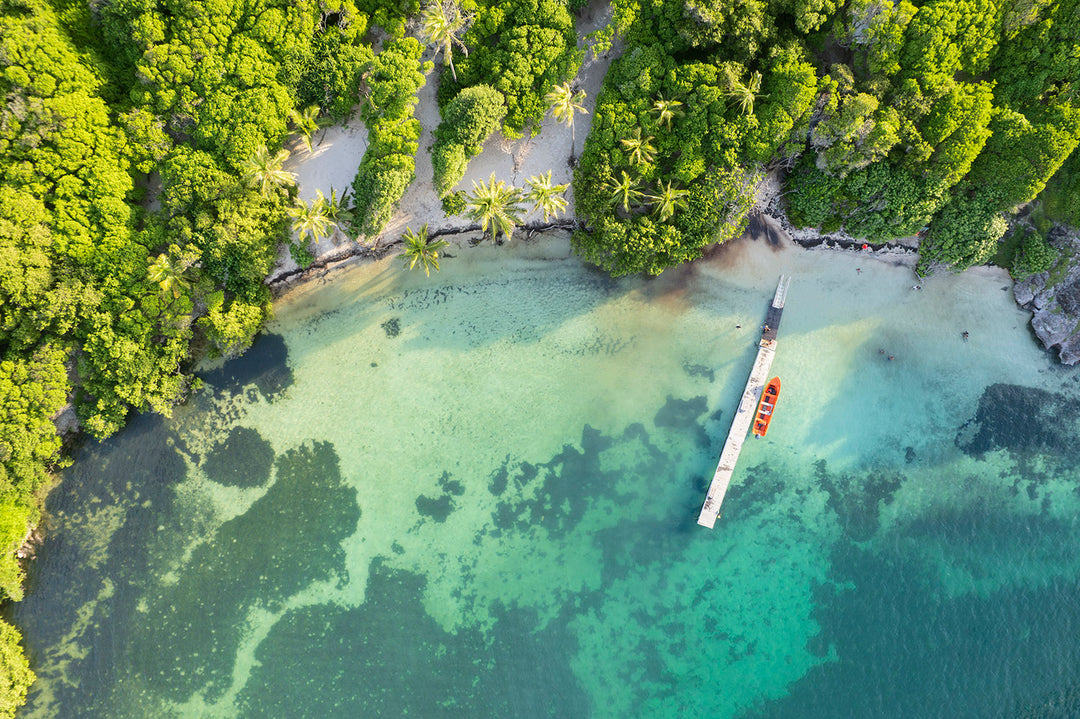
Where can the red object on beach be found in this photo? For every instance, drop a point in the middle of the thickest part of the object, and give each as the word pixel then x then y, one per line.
pixel 766 407
pixel 866 246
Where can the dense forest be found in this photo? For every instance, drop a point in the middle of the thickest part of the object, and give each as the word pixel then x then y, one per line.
pixel 888 120
pixel 143 198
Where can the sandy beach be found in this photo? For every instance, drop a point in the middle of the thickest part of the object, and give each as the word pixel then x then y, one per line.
pixel 337 152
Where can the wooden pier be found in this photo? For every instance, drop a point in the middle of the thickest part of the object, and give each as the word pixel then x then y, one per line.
pixel 744 414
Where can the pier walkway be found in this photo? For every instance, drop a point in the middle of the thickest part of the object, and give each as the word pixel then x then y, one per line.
pixel 744 414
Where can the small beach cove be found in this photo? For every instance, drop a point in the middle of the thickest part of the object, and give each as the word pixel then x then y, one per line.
pixel 491 477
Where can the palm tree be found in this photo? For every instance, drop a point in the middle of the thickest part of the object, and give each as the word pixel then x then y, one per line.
pixel 640 148
pixel 666 111
pixel 337 208
pixel 746 94
pixel 310 219
pixel 264 171
pixel 668 199
pixel 564 103
pixel 495 203
pixel 546 196
pixel 306 122
pixel 624 191
pixel 169 273
pixel 440 23
pixel 419 250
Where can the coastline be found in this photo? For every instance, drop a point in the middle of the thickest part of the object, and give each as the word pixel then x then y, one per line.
pixel 768 221
pixel 333 163
pixel 284 279
pixel 521 330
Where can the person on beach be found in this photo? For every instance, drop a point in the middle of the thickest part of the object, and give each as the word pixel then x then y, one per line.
pixel 964 335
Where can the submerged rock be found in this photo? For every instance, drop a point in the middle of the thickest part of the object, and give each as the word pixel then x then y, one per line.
pixel 1054 297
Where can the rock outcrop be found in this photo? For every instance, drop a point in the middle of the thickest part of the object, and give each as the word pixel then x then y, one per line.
pixel 1054 297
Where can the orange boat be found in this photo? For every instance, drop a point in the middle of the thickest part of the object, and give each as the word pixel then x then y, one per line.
pixel 766 407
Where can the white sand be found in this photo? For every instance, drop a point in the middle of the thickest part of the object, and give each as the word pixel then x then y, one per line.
pixel 332 163
pixel 338 151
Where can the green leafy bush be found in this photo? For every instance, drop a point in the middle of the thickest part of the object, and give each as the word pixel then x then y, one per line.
pixel 467 121
pixel 327 71
pixel 522 48
pixel 389 165
pixel 1035 255
pixel 1061 196
pixel 964 233
pixel 15 674
pixel 455 203
pixel 231 328
pixel 811 195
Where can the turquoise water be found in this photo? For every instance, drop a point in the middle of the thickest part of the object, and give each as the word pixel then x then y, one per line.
pixel 475 495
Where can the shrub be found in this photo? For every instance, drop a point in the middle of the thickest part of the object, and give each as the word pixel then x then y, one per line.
pixel 231 328
pixel 810 195
pixel 15 674
pixel 964 233
pixel 378 187
pixel 467 122
pixel 455 203
pixel 523 48
pixel 471 117
pixel 326 72
pixel 389 165
pixel 1035 255
pixel 448 164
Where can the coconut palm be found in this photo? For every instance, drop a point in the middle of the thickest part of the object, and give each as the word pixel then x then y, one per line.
pixel 497 204
pixel 624 191
pixel 310 218
pixel 264 171
pixel 666 111
pixel 168 272
pixel 546 196
pixel 337 208
pixel 306 122
pixel 746 94
pixel 422 251
pixel 440 23
pixel 564 103
pixel 640 148
pixel 668 199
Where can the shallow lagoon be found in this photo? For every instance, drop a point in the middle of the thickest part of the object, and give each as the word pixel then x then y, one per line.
pixel 475 495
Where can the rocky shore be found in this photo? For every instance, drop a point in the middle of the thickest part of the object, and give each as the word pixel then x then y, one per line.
pixel 769 208
pixel 1054 297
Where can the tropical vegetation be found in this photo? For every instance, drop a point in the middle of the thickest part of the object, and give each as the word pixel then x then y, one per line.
pixel 496 205
pixel 144 193
pixel 420 250
pixel 146 186
pixel 884 119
